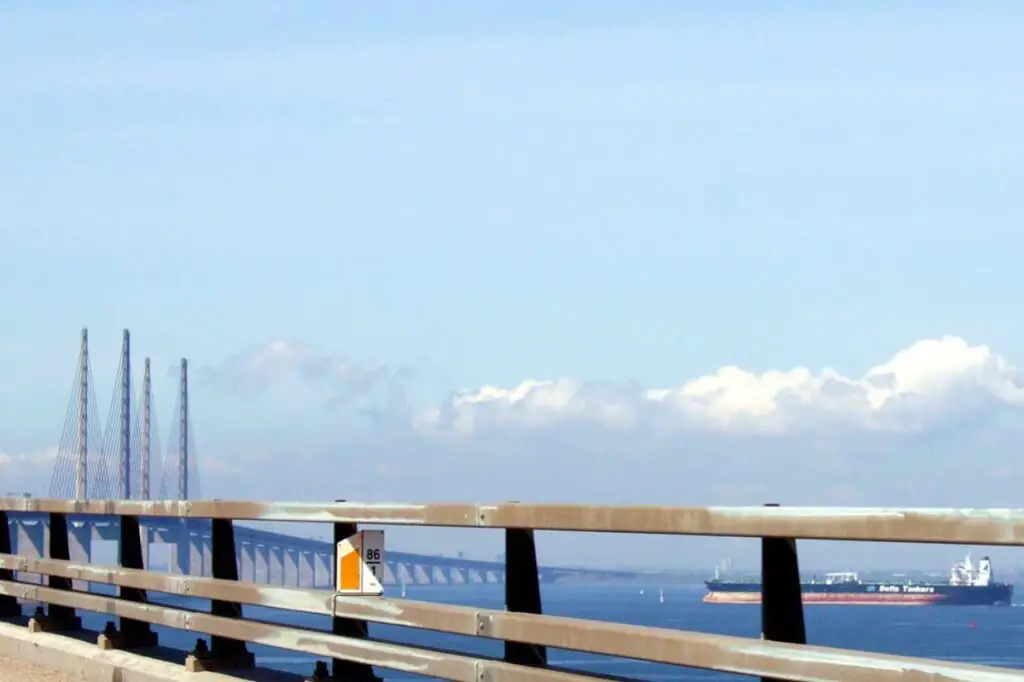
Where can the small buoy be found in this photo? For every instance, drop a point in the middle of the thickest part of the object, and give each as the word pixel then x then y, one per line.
pixel 973 625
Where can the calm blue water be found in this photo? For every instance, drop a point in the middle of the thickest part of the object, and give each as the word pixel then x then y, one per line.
pixel 932 632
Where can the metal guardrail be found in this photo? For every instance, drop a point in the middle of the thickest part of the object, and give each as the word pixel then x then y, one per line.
pixel 878 524
pixel 782 654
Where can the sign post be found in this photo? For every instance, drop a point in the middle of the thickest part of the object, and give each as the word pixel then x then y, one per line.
pixel 360 569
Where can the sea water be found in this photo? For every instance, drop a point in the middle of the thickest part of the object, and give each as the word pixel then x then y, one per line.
pixel 980 635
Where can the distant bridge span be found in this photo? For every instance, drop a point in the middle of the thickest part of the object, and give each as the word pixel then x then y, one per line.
pixel 280 558
pixel 116 463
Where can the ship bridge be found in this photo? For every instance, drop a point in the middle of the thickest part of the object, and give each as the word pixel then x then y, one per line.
pixel 841 578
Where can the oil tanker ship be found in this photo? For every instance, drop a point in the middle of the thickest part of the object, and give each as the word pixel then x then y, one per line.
pixel 967 586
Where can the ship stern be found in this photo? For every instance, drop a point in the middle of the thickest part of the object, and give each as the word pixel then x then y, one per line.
pixel 1006 596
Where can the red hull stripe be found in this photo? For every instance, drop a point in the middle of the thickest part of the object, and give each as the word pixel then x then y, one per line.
pixel 821 598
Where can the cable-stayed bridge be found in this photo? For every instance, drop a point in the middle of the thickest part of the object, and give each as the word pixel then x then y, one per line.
pixel 121 459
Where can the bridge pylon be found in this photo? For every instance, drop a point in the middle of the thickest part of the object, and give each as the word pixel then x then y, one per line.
pixel 111 460
pixel 180 473
pixel 80 450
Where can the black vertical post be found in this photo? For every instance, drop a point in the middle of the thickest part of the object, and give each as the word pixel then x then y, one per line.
pixel 225 567
pixel 9 606
pixel 134 633
pixel 224 653
pixel 782 610
pixel 60 617
pixel 342 669
pixel 522 592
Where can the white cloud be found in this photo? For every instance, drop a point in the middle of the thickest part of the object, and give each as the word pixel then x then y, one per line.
pixel 26 471
pixel 19 460
pixel 922 386
pixel 277 362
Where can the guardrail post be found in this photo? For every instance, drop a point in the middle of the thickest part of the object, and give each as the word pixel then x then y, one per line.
pixel 57 617
pixel 9 606
pixel 342 669
pixel 224 653
pixel 522 591
pixel 134 634
pixel 782 610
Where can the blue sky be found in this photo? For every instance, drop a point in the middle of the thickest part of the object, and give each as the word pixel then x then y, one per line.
pixel 447 195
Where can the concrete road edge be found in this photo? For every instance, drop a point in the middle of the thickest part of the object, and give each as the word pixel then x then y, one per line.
pixel 86 662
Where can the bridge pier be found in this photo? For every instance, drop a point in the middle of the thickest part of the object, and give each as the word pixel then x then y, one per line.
pixel 290 567
pixel 307 566
pixel 80 547
pixel 389 577
pixel 9 606
pixel 29 539
pixel 180 559
pixel 147 541
pixel 246 560
pixel 262 564
pixel 180 565
pixel 322 574
pixel 275 573
pixel 437 576
pixel 197 556
pixel 207 554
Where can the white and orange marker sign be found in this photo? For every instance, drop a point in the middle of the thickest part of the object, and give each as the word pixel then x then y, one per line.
pixel 360 570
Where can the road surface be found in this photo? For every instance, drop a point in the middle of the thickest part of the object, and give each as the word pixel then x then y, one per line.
pixel 16 671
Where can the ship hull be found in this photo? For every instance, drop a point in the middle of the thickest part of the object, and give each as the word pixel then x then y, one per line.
pixel 874 594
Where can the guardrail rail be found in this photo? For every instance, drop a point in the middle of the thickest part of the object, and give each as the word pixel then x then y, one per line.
pixel 781 654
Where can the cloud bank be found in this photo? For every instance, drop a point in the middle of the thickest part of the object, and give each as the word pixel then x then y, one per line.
pixel 277 362
pixel 928 384
pixel 941 418
pixel 19 460
pixel 937 423
pixel 25 471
